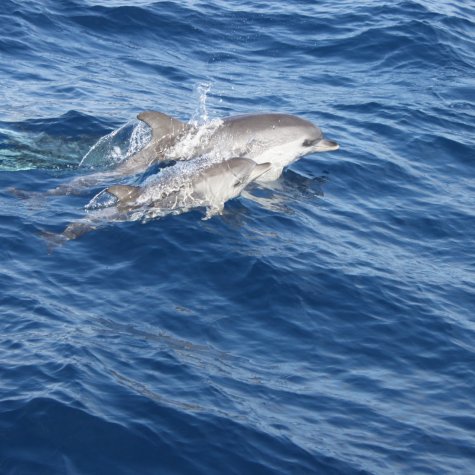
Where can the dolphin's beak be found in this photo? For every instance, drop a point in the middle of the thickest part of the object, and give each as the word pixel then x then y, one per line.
pixel 325 145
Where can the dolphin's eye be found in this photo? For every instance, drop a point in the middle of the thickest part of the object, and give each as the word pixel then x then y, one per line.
pixel 237 183
pixel 309 143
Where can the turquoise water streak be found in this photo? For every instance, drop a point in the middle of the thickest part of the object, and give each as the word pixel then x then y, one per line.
pixel 323 324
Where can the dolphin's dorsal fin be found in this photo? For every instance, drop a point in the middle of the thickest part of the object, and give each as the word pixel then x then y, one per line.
pixel 124 192
pixel 163 124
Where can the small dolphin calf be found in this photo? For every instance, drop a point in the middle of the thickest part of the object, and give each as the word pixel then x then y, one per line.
pixel 279 139
pixel 187 186
pixel 174 190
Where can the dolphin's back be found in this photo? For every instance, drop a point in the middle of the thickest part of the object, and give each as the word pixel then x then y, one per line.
pixel 162 125
pixel 275 124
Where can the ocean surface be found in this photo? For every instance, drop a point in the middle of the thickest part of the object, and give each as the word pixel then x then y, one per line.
pixel 325 323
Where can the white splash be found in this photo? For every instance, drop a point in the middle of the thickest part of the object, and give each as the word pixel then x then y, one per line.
pixel 101 143
pixel 118 145
pixel 127 140
pixel 196 139
pixel 203 90
pixel 200 115
pixel 141 135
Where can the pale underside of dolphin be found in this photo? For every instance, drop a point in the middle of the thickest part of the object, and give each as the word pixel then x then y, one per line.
pixel 173 191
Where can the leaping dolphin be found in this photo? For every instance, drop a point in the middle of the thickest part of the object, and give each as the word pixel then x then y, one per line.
pixel 176 189
pixel 279 139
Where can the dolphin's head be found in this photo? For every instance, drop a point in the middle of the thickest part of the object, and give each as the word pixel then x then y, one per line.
pixel 245 170
pixel 301 132
pixel 313 140
pixel 224 181
pixel 286 137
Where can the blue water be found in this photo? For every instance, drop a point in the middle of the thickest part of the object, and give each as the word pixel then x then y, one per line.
pixel 324 324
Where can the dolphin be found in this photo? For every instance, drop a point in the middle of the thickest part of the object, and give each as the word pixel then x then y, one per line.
pixel 174 190
pixel 278 139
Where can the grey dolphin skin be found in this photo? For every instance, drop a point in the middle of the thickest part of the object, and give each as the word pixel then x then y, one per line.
pixel 174 190
pixel 279 139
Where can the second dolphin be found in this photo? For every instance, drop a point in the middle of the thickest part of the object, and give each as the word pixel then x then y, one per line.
pixel 174 190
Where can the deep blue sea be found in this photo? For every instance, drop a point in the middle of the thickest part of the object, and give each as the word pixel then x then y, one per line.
pixel 324 324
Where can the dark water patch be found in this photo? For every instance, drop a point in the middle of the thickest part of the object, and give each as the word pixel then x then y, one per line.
pixel 69 449
pixel 72 123
pixel 49 143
